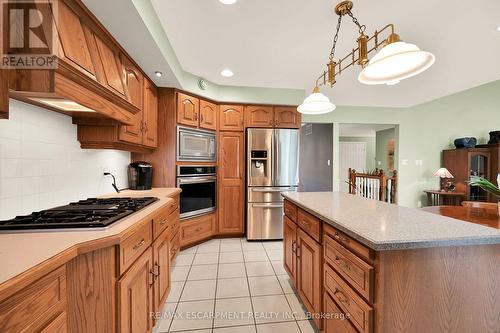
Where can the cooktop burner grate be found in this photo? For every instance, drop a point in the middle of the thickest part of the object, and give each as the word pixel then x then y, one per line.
pixel 89 213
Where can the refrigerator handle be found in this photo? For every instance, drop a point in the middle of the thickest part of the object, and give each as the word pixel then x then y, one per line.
pixel 275 157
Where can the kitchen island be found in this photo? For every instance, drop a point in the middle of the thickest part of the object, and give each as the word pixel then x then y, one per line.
pixel 94 280
pixel 361 265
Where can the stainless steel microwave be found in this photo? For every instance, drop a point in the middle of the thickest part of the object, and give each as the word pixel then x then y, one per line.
pixel 196 145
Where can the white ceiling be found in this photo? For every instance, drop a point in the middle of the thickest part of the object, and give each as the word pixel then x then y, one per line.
pixel 284 44
pixel 362 130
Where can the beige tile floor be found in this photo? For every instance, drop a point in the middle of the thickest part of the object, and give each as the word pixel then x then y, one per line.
pixel 232 286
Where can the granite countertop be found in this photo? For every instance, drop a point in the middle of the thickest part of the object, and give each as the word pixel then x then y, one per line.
pixel 20 251
pixel 383 226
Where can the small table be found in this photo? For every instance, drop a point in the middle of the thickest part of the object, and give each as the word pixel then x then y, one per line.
pixel 443 198
pixel 480 216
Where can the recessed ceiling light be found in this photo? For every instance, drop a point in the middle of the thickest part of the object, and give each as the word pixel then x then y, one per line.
pixel 158 74
pixel 228 2
pixel 498 28
pixel 227 73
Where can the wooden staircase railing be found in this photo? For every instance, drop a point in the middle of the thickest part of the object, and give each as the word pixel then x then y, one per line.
pixel 374 185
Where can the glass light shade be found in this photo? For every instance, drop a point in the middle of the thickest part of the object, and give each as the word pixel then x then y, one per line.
pixel 395 62
pixel 316 103
pixel 443 173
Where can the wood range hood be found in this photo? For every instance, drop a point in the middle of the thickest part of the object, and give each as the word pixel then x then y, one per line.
pixel 94 77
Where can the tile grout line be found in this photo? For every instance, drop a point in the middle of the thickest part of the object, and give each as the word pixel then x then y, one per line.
pixel 182 291
pixel 249 291
pixel 216 285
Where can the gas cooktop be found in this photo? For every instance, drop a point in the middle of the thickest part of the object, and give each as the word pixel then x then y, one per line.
pixel 89 213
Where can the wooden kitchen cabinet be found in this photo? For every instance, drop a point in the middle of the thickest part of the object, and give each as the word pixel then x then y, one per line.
pixel 208 115
pixel 150 115
pixel 338 322
pixel 197 229
pixel 188 109
pixel 135 296
pixel 289 249
pixel 287 117
pixel 231 183
pixel 259 116
pixel 309 272
pixel 4 93
pixel 231 118
pixel 161 269
pixel 109 67
pixel 134 81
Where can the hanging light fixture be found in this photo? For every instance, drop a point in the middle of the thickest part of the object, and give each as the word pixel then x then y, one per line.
pixel 396 61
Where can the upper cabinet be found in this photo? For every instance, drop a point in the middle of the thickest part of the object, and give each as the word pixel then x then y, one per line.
pixel 188 109
pixel 150 115
pixel 259 116
pixel 208 115
pixel 192 111
pixel 92 75
pixel 287 117
pixel 268 116
pixel 231 118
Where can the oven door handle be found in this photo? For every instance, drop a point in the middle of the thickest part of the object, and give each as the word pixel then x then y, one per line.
pixel 196 180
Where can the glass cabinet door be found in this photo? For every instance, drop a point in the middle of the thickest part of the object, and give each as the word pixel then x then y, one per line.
pixel 478 167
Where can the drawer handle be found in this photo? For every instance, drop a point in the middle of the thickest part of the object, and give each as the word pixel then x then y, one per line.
pixel 341 238
pixel 156 269
pixel 342 263
pixel 163 222
pixel 341 297
pixel 294 246
pixel 141 243
pixel 304 222
pixel 197 229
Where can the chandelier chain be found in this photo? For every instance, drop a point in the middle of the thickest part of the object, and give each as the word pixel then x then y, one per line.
pixel 332 52
pixel 361 28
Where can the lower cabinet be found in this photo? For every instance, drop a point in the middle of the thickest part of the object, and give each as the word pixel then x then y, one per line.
pixel 161 269
pixel 135 296
pixel 337 321
pixel 197 229
pixel 309 272
pixel 289 248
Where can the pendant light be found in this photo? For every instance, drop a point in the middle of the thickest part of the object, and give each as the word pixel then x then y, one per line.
pixel 316 103
pixel 395 62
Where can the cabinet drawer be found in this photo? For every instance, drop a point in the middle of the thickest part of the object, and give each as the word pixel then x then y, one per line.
pixel 290 210
pixel 309 224
pixel 361 314
pixel 358 273
pixel 164 220
pixel 34 308
pixel 336 321
pixel 349 243
pixel 134 245
pixel 196 229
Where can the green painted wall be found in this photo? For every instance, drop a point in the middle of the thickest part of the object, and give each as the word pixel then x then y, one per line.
pixel 382 138
pixel 370 148
pixel 424 130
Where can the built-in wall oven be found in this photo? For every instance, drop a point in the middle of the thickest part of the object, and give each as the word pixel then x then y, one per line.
pixel 195 145
pixel 199 189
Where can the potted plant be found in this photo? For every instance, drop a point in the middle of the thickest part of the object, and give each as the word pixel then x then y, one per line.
pixel 486 185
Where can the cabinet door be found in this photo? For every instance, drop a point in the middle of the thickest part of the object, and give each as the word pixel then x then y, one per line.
pixel 231 182
pixel 208 115
pixel 74 44
pixel 110 69
pixel 287 117
pixel 309 273
pixel 188 109
pixel 134 81
pixel 4 94
pixel 259 116
pixel 289 246
pixel 231 118
pixel 161 267
pixel 150 115
pixel 135 296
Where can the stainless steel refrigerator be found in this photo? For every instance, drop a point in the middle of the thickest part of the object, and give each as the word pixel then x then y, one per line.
pixel 272 168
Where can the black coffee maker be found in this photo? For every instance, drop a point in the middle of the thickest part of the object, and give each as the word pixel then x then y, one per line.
pixel 140 175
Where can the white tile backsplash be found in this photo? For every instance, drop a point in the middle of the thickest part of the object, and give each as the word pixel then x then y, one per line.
pixel 43 166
